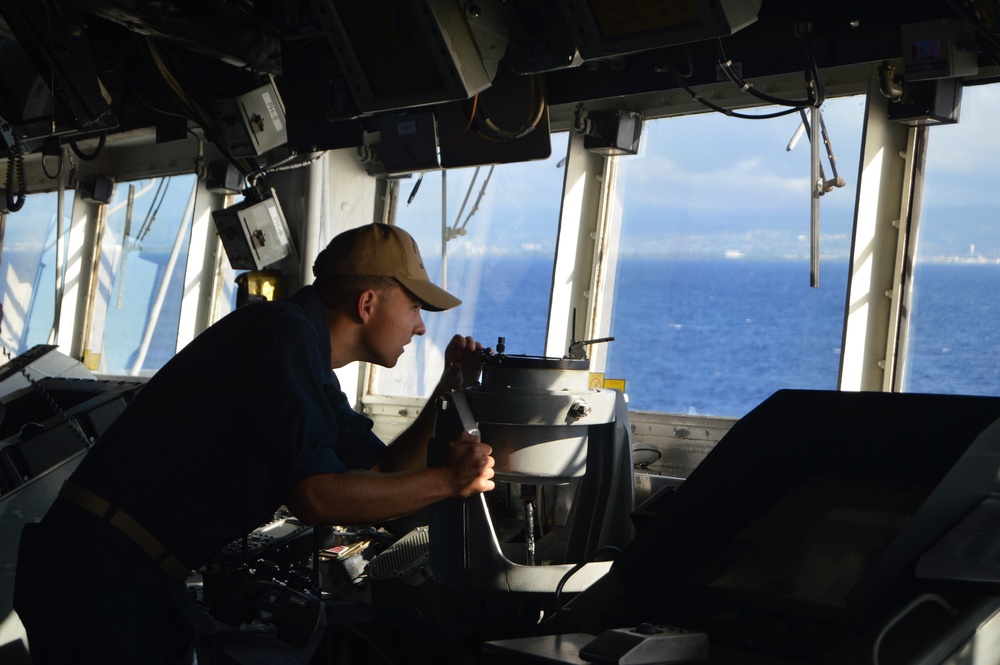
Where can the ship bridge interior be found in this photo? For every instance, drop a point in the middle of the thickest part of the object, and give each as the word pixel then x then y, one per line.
pixel 164 162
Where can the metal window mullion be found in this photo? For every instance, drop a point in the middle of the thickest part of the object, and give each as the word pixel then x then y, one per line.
pixel 906 258
pixel 82 281
pixel 204 248
pixel 885 171
pixel 574 256
pixel 901 294
pixel 604 266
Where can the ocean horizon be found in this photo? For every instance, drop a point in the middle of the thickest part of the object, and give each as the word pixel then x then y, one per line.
pixel 700 336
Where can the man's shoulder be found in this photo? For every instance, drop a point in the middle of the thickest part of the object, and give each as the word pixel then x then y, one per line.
pixel 279 318
pixel 280 324
pixel 301 307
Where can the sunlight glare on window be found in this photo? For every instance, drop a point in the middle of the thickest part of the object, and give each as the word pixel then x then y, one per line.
pixel 140 329
pixel 953 337
pixel 713 305
pixel 501 223
pixel 28 269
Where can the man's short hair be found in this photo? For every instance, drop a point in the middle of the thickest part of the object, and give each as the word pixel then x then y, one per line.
pixel 337 290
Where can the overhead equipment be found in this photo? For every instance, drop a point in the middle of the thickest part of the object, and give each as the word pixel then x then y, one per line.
pixel 254 232
pixel 418 52
pixel 252 123
pixel 605 28
pixel 937 56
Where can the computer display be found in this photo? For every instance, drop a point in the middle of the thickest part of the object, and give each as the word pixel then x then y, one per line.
pixel 816 506
pixel 606 28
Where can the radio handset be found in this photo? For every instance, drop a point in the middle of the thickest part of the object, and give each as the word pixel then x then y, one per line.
pixel 465 417
pixel 453 416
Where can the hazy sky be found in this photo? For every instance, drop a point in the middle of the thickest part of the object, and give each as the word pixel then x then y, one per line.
pixel 710 183
pixel 704 183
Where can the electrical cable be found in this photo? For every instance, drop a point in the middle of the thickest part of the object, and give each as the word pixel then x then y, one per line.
pixel 151 106
pixel 288 164
pixel 715 107
pixel 195 111
pixel 573 571
pixel 15 164
pixel 46 171
pixel 111 65
pixel 168 77
pixel 498 134
pixel 154 209
pixel 993 39
pixel 815 91
pixel 468 125
pixel 97 151
pixel 995 10
pixel 53 404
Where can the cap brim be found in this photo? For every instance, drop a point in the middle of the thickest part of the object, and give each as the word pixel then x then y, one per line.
pixel 433 298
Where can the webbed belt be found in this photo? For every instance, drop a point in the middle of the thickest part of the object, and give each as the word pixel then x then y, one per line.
pixel 124 522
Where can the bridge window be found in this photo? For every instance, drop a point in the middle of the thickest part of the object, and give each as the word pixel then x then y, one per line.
pixel 953 341
pixel 28 271
pixel 143 254
pixel 501 225
pixel 713 305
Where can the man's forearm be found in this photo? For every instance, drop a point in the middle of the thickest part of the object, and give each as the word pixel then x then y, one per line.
pixel 351 498
pixel 408 451
pixel 364 497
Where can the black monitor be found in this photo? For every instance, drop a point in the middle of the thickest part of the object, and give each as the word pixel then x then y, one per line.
pixel 402 53
pixel 606 28
pixel 816 505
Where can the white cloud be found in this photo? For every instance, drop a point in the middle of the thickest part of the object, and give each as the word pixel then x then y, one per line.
pixel 949 145
pixel 662 183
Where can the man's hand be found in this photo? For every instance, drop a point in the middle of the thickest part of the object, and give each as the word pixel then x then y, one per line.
pixel 366 497
pixel 463 363
pixel 471 464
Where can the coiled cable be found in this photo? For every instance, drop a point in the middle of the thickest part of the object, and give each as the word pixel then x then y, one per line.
pixel 15 163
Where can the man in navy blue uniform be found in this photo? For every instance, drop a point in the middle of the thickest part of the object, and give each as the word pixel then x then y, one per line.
pixel 247 418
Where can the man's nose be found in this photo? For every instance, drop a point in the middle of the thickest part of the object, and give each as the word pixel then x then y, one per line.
pixel 420 329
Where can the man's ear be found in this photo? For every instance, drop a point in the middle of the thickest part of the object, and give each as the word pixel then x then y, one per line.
pixel 366 302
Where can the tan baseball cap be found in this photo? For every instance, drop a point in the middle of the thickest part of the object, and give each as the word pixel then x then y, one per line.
pixel 383 249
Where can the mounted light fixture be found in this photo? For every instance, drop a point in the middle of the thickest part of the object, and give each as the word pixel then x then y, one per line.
pixel 612 132
pixel 937 55
pixel 254 122
pixel 937 102
pixel 254 232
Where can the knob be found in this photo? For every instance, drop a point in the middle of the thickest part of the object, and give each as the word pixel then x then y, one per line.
pixel 579 409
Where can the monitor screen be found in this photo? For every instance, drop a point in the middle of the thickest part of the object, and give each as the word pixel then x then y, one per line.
pixel 414 54
pixel 400 60
pixel 608 28
pixel 615 19
pixel 813 546
pixel 816 505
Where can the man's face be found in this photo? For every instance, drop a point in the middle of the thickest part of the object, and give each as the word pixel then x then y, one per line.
pixel 394 321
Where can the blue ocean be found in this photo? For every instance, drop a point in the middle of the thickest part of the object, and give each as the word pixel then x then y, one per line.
pixel 692 336
pixel 718 336
pixel 700 337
